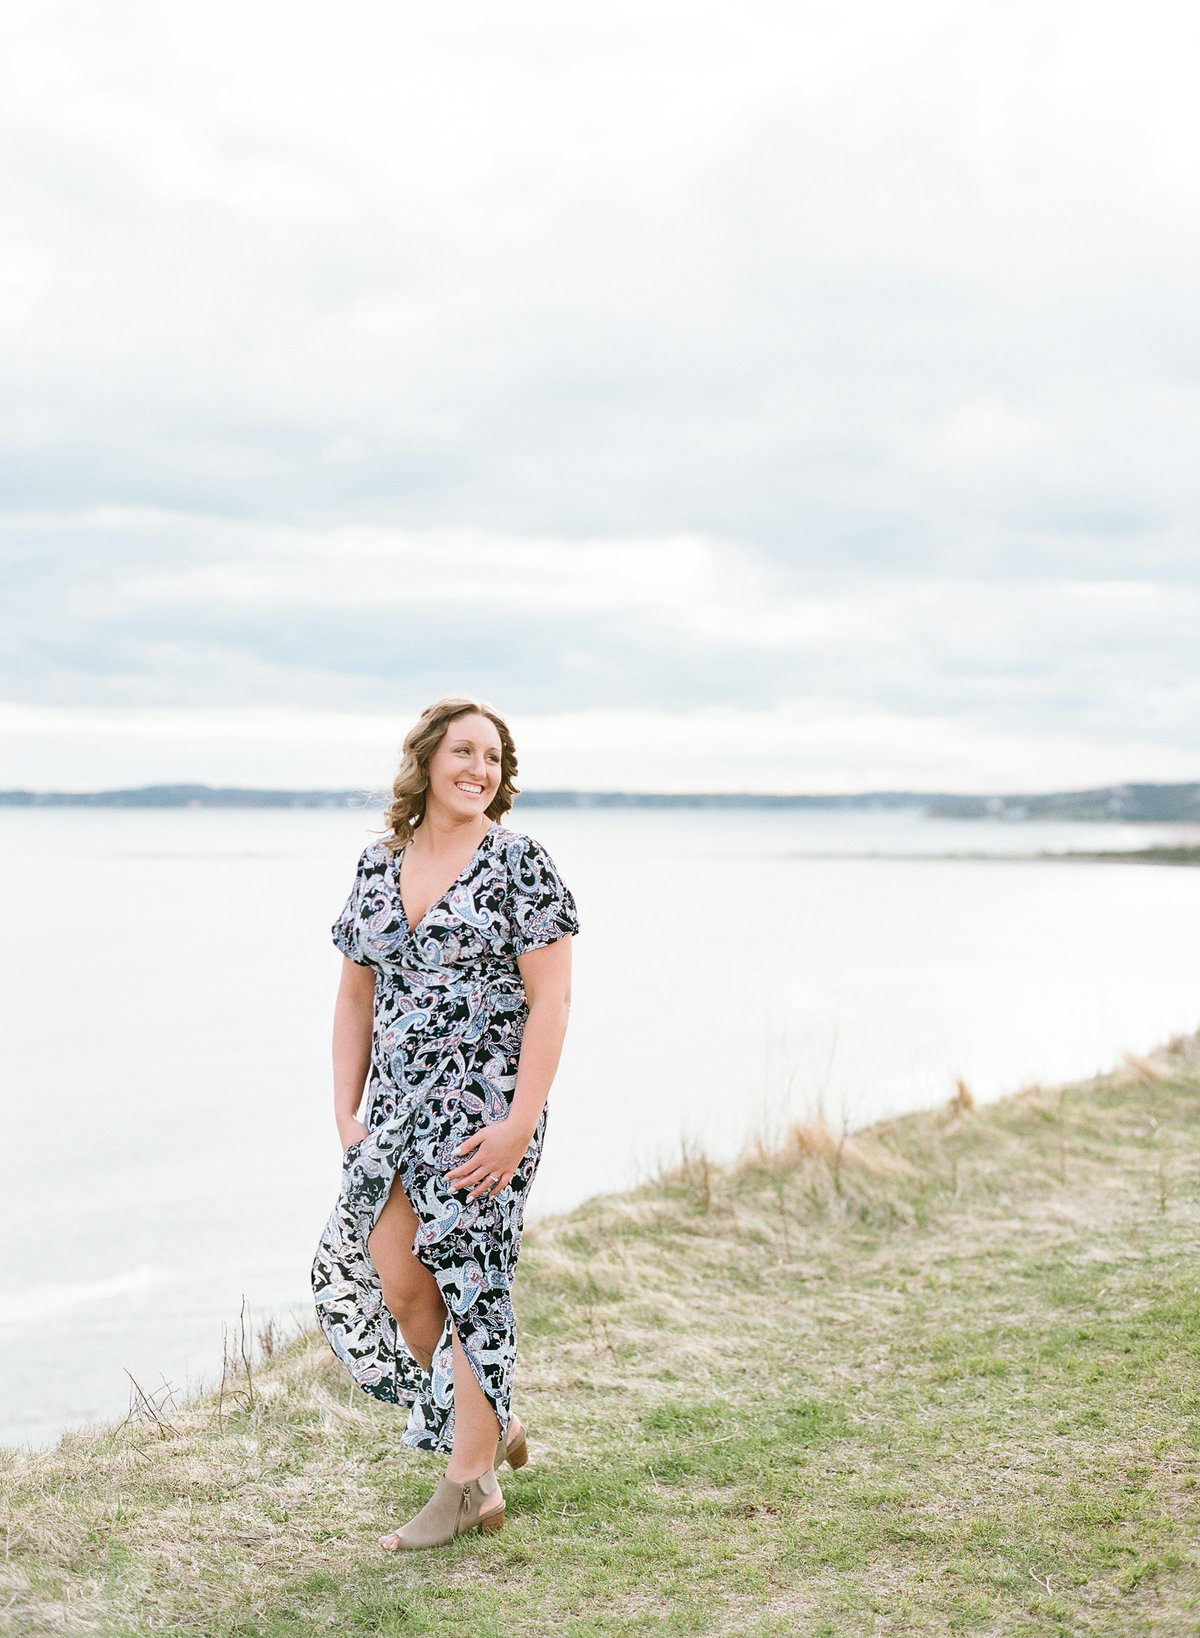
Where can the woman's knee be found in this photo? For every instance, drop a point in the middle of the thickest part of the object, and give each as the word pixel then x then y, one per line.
pixel 412 1300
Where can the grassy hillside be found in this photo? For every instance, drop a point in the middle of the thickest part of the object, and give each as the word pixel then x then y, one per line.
pixel 937 1378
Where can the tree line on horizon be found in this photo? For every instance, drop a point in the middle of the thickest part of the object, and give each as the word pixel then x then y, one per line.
pixel 1143 803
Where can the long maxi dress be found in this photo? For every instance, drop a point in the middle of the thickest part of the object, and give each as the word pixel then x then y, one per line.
pixel 449 1013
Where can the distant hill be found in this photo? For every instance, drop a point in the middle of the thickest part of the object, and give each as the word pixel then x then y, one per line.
pixel 1148 804
pixel 209 796
pixel 187 796
pixel 1161 804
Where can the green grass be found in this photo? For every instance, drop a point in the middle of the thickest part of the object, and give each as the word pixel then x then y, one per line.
pixel 940 1377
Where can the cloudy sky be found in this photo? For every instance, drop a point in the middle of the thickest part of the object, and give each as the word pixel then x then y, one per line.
pixel 780 396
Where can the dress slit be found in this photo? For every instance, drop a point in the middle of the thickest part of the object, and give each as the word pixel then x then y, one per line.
pixel 442 1372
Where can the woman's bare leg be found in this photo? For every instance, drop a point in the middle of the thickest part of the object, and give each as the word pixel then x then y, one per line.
pixel 476 1429
pixel 409 1289
pixel 415 1303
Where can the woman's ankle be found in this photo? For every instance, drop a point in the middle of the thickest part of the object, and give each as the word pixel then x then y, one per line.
pixel 464 1472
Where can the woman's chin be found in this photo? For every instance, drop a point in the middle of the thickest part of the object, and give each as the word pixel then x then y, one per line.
pixel 467 807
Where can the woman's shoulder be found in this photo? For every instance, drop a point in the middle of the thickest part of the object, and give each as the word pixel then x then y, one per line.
pixel 539 902
pixel 516 844
pixel 374 857
pixel 526 860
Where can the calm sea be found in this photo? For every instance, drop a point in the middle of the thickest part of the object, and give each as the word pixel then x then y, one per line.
pixel 167 1147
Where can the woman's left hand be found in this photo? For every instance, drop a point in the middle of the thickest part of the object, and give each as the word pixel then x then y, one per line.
pixel 490 1157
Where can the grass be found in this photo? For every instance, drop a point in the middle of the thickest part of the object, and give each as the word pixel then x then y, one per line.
pixel 938 1377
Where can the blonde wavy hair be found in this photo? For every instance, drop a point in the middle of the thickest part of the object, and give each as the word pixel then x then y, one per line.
pixel 407 809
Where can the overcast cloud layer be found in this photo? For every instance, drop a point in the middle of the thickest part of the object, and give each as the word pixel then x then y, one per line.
pixel 814 391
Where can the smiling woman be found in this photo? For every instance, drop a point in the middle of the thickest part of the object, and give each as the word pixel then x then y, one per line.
pixel 448 1027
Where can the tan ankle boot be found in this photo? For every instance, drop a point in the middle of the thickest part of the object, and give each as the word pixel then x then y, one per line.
pixel 512 1448
pixel 451 1511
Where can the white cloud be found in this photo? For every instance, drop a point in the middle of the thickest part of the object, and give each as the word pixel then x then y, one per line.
pixel 154 608
pixel 654 356
pixel 54 748
pixel 809 745
pixel 801 745
pixel 862 280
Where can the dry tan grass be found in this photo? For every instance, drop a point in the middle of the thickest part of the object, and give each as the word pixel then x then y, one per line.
pixel 867 1270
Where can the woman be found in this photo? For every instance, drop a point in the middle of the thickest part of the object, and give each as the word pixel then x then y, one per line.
pixel 451 1014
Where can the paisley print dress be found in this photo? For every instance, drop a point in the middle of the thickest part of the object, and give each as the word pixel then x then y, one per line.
pixel 450 1010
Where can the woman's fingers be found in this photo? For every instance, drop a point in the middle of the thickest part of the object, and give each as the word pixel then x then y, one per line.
pixel 481 1179
pixel 483 1182
pixel 465 1176
pixel 468 1172
pixel 474 1172
pixel 468 1164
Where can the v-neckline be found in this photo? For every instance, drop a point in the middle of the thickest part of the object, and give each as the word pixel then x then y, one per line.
pixel 413 927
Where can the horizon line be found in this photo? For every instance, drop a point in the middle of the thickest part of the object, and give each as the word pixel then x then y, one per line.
pixel 199 793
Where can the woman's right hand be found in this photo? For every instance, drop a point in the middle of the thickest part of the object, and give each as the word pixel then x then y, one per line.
pixel 351 1132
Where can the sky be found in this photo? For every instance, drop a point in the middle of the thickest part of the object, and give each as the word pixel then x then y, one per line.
pixel 771 397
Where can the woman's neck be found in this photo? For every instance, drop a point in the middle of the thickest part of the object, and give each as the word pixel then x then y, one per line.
pixel 445 833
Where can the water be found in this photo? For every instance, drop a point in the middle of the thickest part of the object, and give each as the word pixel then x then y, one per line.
pixel 166 1143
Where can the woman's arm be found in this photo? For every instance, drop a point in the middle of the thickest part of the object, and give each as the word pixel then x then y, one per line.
pixel 353 1013
pixel 546 975
pixel 500 1147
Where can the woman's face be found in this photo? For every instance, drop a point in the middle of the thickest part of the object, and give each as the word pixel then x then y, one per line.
pixel 464 771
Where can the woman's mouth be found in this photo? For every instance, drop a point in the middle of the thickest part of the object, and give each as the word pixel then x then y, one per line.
pixel 468 788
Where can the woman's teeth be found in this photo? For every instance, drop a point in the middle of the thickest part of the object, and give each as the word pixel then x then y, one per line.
pixel 468 790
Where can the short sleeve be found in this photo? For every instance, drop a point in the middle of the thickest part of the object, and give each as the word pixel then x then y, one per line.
pixel 541 906
pixel 345 929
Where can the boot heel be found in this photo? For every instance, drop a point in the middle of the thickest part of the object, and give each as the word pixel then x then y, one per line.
pixel 516 1453
pixel 492 1521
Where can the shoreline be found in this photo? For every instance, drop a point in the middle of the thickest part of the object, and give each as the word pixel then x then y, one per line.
pixel 932 1372
pixel 1175 803
pixel 1182 855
